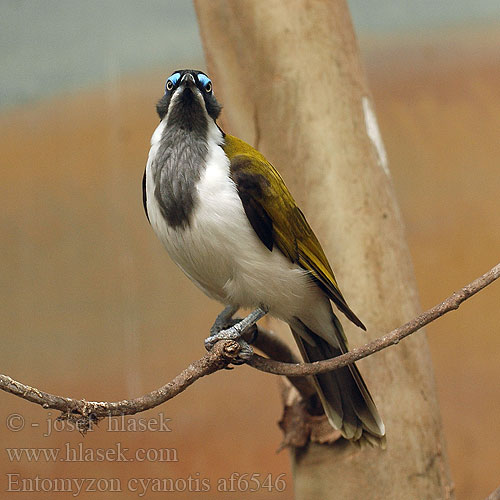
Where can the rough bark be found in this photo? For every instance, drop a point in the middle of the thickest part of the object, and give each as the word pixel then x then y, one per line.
pixel 290 78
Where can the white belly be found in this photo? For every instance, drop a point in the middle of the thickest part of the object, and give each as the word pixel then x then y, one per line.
pixel 221 252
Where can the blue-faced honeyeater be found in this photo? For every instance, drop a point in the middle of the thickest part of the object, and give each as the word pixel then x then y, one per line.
pixel 228 221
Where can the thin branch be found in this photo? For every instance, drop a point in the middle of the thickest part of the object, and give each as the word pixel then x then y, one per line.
pixel 84 413
pixel 451 303
pixel 270 344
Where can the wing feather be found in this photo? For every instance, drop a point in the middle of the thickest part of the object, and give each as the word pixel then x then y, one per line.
pixel 277 219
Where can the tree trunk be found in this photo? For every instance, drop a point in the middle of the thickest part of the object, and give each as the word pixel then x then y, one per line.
pixel 290 78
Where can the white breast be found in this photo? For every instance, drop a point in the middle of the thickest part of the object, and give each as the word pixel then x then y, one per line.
pixel 220 251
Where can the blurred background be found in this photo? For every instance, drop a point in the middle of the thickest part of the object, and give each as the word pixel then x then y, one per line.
pixel 90 304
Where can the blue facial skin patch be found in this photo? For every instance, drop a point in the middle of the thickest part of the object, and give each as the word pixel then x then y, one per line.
pixel 203 79
pixel 174 79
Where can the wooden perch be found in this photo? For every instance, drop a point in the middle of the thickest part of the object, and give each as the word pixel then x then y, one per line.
pixel 85 413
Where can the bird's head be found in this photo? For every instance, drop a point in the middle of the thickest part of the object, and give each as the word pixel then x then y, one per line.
pixel 188 100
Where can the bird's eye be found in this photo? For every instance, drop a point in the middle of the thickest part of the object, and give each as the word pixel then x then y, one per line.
pixel 205 81
pixel 172 80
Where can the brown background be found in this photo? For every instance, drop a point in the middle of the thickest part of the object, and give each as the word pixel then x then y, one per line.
pixel 92 307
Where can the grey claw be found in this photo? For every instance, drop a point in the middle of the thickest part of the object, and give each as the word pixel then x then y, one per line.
pixel 210 342
pixel 245 353
pixel 246 350
pixel 233 333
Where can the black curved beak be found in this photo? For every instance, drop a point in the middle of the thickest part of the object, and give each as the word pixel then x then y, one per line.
pixel 188 80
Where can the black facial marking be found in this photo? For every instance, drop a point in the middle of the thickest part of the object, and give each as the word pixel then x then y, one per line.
pixel 162 105
pixel 211 105
pixel 187 113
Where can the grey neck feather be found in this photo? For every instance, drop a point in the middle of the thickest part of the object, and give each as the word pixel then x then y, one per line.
pixel 179 163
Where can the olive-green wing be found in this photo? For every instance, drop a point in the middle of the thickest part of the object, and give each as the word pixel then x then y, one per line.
pixel 278 220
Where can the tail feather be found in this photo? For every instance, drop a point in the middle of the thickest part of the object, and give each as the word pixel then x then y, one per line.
pixel 343 392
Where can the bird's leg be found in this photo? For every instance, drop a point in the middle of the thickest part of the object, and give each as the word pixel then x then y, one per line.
pixel 223 320
pixel 236 331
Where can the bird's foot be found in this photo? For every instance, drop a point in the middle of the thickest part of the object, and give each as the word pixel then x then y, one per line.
pixel 231 333
pixel 235 332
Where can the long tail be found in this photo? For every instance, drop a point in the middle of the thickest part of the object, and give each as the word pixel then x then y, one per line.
pixel 343 392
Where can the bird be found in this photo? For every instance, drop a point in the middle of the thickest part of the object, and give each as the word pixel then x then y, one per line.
pixel 227 219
